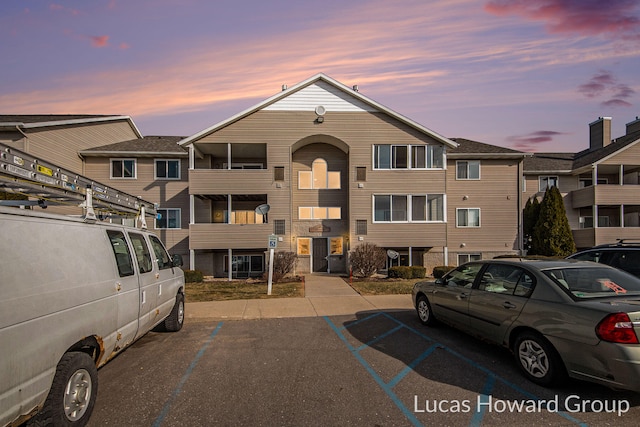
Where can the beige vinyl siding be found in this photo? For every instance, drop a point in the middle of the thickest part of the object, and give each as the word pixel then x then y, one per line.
pixel 629 156
pixel 496 195
pixel 46 142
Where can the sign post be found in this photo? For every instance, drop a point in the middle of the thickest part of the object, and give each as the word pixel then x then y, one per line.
pixel 273 243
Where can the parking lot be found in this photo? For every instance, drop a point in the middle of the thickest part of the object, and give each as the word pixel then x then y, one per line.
pixel 372 368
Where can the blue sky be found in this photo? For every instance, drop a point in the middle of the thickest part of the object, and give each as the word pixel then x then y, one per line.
pixel 524 74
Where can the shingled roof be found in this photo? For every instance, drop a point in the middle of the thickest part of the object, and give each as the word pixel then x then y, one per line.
pixel 46 118
pixel 467 147
pixel 141 147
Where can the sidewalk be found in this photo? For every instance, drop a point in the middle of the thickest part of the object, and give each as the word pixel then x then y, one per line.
pixel 325 295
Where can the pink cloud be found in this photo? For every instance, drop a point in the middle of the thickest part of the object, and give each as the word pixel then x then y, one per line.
pixel 529 141
pixel 54 6
pixel 586 17
pixel 124 46
pixel 99 41
pixel 605 83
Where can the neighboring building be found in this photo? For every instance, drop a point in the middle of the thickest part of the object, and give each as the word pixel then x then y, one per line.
pixel 154 168
pixel 601 182
pixel 338 169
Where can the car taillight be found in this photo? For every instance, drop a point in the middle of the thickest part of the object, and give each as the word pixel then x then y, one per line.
pixel 617 327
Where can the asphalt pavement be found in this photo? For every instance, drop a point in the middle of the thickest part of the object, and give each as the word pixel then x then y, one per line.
pixel 325 295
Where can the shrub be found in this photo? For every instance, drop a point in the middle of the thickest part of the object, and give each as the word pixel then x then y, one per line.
pixel 283 264
pixel 193 276
pixel 552 233
pixel 405 272
pixel 441 270
pixel 366 259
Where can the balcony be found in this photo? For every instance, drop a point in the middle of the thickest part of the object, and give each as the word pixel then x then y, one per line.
pixel 588 237
pixel 229 236
pixel 605 194
pixel 229 181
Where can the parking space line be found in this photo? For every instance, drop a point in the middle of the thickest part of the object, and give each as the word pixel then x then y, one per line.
pixel 185 377
pixel 388 387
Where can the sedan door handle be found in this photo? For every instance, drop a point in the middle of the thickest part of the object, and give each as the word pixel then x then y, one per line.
pixel 462 295
pixel 508 304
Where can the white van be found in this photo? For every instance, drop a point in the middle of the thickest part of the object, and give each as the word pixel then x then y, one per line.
pixel 73 295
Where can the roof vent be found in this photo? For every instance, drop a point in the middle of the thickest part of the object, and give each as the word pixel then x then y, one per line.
pixel 284 87
pixel 355 88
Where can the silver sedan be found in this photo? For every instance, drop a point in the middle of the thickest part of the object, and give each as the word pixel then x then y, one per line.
pixel 559 318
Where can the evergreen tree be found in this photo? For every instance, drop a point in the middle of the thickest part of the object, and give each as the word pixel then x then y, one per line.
pixel 552 233
pixel 529 219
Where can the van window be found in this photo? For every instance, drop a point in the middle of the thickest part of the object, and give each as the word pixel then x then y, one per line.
pixel 142 252
pixel 121 252
pixel 164 260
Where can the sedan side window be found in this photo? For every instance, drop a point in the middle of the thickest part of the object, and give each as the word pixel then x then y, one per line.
pixel 506 279
pixel 142 252
pixel 463 276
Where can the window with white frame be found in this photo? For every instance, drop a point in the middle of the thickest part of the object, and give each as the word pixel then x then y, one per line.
pixel 168 218
pixel 463 258
pixel 468 217
pixel 468 169
pixel 315 212
pixel 167 168
pixel 388 156
pixel 123 168
pixel 408 207
pixel 548 182
pixel 319 177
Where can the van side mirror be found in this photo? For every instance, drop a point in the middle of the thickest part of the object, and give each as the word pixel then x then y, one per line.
pixel 176 260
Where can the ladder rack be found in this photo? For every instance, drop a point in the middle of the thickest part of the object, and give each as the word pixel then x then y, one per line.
pixel 25 174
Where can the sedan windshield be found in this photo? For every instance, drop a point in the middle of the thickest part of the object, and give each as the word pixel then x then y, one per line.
pixel 595 282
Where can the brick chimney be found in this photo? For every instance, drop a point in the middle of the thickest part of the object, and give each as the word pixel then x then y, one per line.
pixel 600 133
pixel 633 126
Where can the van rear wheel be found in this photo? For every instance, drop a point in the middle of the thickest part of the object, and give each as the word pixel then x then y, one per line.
pixel 175 320
pixel 73 392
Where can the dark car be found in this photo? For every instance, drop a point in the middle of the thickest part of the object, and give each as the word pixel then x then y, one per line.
pixel 624 255
pixel 559 317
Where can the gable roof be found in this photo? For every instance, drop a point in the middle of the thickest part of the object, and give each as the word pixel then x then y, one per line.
pixel 578 162
pixel 320 77
pixel 32 121
pixel 148 146
pixel 468 148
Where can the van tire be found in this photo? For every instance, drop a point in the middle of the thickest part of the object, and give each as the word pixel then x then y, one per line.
pixel 175 320
pixel 76 373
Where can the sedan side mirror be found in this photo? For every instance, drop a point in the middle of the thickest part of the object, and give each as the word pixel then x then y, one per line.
pixel 440 282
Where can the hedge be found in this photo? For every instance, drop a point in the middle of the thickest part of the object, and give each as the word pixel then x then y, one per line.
pixel 405 272
pixel 193 276
pixel 441 270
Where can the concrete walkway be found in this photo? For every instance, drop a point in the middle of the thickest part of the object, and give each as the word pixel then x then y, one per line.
pixel 325 295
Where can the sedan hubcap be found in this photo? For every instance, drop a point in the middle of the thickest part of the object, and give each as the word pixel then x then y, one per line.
pixel 533 358
pixel 423 310
pixel 77 395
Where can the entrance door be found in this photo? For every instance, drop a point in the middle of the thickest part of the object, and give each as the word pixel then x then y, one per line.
pixel 320 253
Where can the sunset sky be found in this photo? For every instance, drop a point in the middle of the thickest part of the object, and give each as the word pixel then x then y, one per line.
pixel 525 74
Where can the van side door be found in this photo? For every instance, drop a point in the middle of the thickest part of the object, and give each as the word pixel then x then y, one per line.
pixel 148 282
pixel 127 291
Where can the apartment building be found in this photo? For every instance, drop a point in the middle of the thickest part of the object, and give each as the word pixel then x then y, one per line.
pixel 336 169
pixel 600 185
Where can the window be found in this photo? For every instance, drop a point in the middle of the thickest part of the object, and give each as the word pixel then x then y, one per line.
pixel 167 169
pixel 142 252
pixel 463 258
pixel 468 217
pixel 506 279
pixel 335 246
pixel 408 208
pixel 408 156
pixel 121 252
pixel 245 265
pixel 468 169
pixel 279 227
pixel 123 168
pixel 361 227
pixel 319 177
pixel 307 212
pixel 548 182
pixel 163 258
pixel 169 218
pixel 463 276
pixel 304 246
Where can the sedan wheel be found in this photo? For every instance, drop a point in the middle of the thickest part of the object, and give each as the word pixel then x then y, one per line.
pixel 424 311
pixel 538 359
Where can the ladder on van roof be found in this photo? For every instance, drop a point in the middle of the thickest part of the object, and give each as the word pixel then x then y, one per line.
pixel 22 173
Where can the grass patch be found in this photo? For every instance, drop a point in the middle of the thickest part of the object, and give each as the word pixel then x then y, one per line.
pixel 223 290
pixel 382 286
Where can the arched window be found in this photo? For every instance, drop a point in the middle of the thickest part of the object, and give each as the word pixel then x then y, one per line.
pixel 319 177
